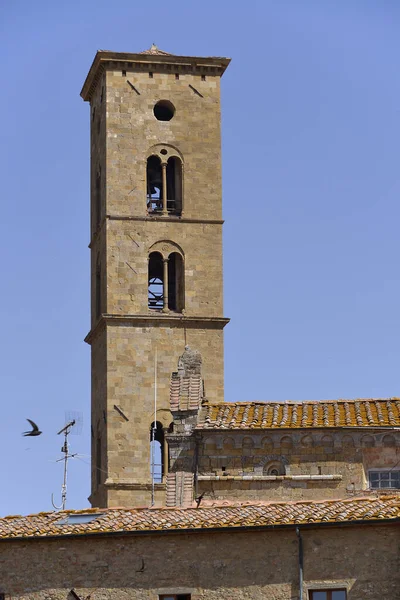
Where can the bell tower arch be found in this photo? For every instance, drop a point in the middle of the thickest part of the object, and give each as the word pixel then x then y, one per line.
pixel 156 253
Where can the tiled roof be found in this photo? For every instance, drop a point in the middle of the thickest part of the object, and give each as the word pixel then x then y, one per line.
pixel 324 413
pixel 186 392
pixel 121 520
pixel 156 51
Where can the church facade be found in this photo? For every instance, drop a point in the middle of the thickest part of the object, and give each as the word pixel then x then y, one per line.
pixel 194 497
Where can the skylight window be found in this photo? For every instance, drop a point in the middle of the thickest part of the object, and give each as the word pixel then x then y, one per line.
pixel 79 519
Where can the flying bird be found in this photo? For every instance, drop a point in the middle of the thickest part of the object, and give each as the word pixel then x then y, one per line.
pixel 199 499
pixel 34 431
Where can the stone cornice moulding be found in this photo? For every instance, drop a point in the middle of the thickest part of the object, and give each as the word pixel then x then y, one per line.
pixel 167 320
pixel 105 59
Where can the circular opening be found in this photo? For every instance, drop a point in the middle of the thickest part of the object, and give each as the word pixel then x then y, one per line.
pixel 274 472
pixel 163 151
pixel 164 110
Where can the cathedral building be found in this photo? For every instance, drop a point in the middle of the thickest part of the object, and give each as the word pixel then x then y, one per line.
pixel 194 496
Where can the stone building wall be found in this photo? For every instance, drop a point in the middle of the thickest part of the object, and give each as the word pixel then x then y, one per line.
pixel 272 464
pixel 209 565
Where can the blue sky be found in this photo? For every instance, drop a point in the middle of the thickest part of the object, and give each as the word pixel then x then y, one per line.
pixel 310 130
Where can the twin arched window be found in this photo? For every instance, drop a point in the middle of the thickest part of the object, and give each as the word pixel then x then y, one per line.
pixel 164 182
pixel 166 281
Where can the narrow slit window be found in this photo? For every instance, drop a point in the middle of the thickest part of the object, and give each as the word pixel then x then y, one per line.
pixel 154 184
pixel 175 282
pixel 156 452
pixel 156 282
pixel 174 186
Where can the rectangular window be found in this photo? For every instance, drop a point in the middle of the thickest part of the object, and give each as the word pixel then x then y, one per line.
pixel 384 479
pixel 339 594
pixel 174 597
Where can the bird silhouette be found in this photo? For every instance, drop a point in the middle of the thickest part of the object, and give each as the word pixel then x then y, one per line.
pixel 199 499
pixel 34 431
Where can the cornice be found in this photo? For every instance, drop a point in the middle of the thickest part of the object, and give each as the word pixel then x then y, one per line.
pixel 130 484
pixel 106 59
pixel 158 219
pixel 160 319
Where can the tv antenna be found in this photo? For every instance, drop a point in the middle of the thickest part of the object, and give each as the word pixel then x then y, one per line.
pixel 66 430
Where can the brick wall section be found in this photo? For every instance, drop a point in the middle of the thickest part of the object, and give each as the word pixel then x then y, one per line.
pixel 223 566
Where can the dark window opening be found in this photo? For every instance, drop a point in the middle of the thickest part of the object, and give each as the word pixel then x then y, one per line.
pixel 384 479
pixel 203 77
pixel 156 452
pixel 175 282
pixel 164 110
pixel 176 75
pixel 174 185
pixel 98 290
pixel 123 73
pixel 151 75
pixel 154 184
pixel 156 282
pixel 338 594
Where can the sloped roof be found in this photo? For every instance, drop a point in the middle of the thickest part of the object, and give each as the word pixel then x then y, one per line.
pixel 124 520
pixel 186 392
pixel 283 415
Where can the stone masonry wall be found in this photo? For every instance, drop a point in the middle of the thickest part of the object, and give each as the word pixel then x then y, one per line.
pixel 289 465
pixel 123 132
pixel 222 565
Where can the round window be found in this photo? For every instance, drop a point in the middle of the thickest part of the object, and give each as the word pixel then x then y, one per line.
pixel 164 110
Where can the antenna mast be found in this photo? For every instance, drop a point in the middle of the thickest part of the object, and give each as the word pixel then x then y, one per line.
pixel 65 450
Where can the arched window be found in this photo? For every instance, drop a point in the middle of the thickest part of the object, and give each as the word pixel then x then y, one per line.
pixel 175 282
pixel 156 452
pixel 164 182
pixel 154 181
pixel 156 282
pixel 166 280
pixel 174 186
pixel 98 289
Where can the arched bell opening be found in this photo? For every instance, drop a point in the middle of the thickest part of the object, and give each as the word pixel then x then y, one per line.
pixel 175 282
pixel 155 293
pixel 154 184
pixel 174 186
pixel 157 454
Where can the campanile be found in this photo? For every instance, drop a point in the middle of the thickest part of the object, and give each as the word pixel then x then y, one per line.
pixel 156 252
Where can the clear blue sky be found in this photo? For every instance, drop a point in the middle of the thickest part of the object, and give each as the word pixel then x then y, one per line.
pixel 310 131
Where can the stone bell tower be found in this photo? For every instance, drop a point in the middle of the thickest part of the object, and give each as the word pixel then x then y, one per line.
pixel 156 254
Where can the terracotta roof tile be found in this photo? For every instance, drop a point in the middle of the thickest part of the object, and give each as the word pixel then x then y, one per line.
pixel 324 413
pixel 186 392
pixel 124 520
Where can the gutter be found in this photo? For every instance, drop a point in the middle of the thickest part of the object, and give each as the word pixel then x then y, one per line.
pixel 196 530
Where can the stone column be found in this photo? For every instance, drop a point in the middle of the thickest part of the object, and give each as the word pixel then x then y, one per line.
pixel 164 188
